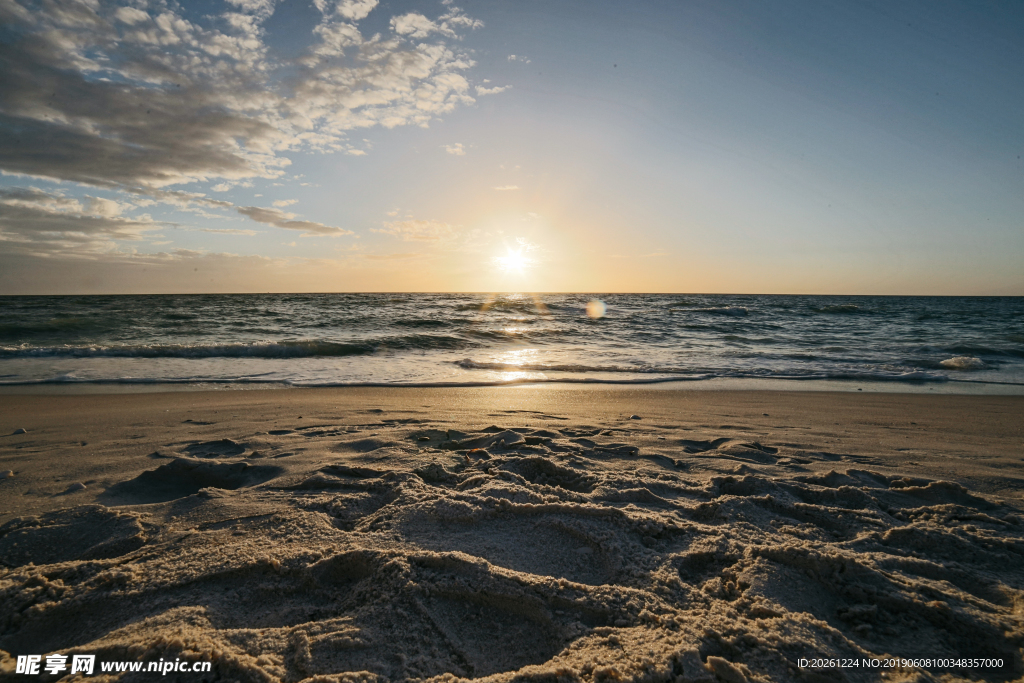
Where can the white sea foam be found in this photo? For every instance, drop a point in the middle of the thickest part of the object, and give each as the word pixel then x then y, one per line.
pixel 963 363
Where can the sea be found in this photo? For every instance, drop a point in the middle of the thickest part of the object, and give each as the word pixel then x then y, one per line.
pixel 951 344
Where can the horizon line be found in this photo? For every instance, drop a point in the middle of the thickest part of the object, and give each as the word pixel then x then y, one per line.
pixel 523 292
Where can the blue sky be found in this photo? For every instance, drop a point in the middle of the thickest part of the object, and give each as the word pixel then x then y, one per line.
pixel 805 147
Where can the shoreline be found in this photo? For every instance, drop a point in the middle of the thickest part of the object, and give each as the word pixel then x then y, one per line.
pixel 952 387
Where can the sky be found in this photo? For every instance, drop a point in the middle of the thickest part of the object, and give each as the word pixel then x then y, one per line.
pixel 723 146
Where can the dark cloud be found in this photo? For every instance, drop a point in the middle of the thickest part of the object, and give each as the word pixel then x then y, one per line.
pixel 38 222
pixel 282 219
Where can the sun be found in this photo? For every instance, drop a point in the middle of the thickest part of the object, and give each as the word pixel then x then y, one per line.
pixel 515 261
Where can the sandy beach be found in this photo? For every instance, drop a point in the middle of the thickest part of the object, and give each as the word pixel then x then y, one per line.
pixel 515 533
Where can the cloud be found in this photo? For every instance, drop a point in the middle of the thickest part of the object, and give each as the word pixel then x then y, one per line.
pixel 229 231
pixel 44 224
pixel 281 219
pixel 188 270
pixel 392 257
pixel 457 149
pixel 417 230
pixel 414 25
pixel 179 198
pixel 352 10
pixel 481 91
pixel 514 58
pixel 259 7
pixel 355 10
pixel 98 206
pixel 130 15
pixel 141 98
pixel 285 202
pixel 506 188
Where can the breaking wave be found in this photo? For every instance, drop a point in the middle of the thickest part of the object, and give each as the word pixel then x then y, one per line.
pixel 281 349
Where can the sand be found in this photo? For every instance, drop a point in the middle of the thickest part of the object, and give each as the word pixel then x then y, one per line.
pixel 526 533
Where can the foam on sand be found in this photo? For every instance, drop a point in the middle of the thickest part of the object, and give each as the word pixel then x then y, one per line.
pixel 408 549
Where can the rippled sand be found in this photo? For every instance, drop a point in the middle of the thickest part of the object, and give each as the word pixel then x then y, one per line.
pixel 522 534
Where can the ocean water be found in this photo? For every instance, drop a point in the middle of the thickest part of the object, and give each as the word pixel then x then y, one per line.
pixel 470 339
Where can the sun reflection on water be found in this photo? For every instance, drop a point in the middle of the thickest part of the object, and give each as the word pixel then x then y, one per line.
pixel 516 357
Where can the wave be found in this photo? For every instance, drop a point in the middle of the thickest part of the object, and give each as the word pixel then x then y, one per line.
pixel 706 373
pixel 525 305
pixel 469 364
pixel 972 350
pixel 736 311
pixel 684 303
pixel 839 309
pixel 56 326
pixel 424 322
pixel 333 382
pixel 281 349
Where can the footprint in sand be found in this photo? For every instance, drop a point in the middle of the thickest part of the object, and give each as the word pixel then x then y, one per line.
pixel 224 448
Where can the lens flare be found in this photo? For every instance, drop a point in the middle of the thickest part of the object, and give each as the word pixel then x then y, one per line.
pixel 596 309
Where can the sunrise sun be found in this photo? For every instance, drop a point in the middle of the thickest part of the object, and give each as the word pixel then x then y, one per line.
pixel 515 260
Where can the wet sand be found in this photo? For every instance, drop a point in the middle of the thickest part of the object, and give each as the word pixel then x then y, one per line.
pixel 518 533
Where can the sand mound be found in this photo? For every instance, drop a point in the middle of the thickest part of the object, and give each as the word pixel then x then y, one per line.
pixel 520 554
pixel 82 533
pixel 182 477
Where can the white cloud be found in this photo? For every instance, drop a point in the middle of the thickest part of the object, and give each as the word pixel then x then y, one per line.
pixel 336 36
pixel 481 91
pixel 417 230
pixel 281 203
pixel 413 25
pixel 140 98
pixel 355 10
pixel 515 58
pixel 262 7
pixel 130 15
pixel 392 257
pixel 229 231
pixel 506 188
pixel 457 149
pixel 98 206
